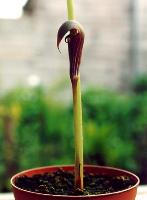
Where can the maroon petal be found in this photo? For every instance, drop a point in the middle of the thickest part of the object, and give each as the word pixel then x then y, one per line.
pixel 75 40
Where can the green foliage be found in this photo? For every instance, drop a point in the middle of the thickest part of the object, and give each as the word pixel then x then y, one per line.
pixel 2 166
pixel 42 131
pixel 140 134
pixel 115 128
pixel 140 84
pixel 108 129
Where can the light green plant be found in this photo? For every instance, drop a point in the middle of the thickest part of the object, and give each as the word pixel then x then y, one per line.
pixel 75 41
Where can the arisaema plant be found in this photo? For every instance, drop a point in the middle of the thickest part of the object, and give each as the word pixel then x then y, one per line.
pixel 74 37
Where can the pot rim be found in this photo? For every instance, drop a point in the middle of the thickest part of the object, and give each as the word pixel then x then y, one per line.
pixel 12 180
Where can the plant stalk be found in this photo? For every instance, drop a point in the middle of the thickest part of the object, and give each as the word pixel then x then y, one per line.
pixel 77 108
pixel 70 8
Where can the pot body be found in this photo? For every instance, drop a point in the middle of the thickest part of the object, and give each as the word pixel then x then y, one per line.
pixel 127 194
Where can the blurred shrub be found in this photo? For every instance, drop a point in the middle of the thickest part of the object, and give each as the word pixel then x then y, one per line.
pixel 42 132
pixel 140 84
pixel 140 134
pixel 140 124
pixel 108 129
pixel 37 129
pixel 115 129
pixel 2 165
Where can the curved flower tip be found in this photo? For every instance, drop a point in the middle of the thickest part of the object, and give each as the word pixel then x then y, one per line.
pixel 75 40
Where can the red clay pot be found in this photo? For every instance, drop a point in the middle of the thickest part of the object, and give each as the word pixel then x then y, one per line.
pixel 127 194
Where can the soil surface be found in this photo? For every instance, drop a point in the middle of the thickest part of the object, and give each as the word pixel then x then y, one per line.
pixel 62 183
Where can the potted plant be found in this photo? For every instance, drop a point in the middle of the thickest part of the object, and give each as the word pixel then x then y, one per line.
pixel 77 181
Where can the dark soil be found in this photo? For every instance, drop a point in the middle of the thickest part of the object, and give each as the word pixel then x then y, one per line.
pixel 62 183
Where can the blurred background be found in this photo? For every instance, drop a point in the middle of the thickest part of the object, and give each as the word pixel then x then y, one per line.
pixel 36 117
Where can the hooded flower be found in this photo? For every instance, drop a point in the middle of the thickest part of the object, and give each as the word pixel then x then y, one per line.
pixel 75 40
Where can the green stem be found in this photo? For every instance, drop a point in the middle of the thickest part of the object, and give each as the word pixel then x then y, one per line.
pixel 77 107
pixel 70 8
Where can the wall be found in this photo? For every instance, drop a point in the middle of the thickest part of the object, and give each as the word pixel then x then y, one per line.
pixel 28 45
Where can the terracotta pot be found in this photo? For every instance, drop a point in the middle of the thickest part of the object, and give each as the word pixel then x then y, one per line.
pixel 127 194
